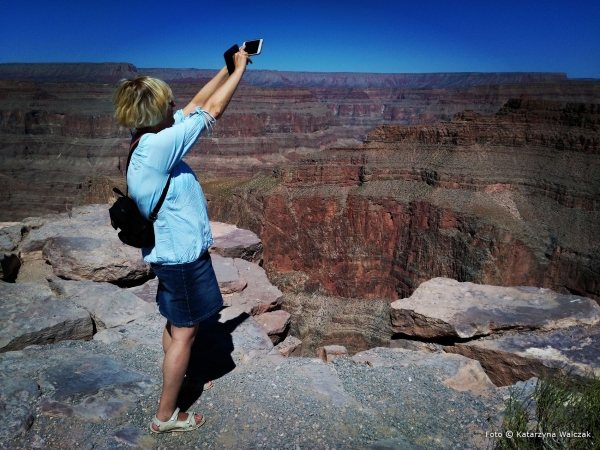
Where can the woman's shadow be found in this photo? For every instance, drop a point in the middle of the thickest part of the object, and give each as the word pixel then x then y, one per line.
pixel 211 357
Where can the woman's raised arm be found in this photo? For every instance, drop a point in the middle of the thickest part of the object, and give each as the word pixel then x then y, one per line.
pixel 207 90
pixel 215 105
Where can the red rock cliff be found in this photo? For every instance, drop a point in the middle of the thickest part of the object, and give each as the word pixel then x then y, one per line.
pixel 510 199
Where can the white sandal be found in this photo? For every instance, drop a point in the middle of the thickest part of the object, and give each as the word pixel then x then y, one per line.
pixel 174 425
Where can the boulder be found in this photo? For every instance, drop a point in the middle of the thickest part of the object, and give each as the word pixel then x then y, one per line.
pixel 290 346
pixel 260 296
pixel 84 246
pixel 275 323
pixel 445 308
pixel 10 236
pixel 328 353
pixel 234 242
pixel 512 358
pixel 95 259
pixel 109 305
pixel 31 314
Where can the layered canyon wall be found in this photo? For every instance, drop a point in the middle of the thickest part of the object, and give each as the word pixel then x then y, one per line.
pixel 60 145
pixel 357 190
pixel 510 199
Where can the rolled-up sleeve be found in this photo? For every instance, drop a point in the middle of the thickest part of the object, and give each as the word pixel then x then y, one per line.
pixel 170 145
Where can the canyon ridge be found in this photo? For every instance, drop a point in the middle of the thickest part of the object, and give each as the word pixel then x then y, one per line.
pixel 359 185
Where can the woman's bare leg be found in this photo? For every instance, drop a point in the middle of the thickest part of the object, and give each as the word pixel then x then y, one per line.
pixel 166 338
pixel 166 342
pixel 176 360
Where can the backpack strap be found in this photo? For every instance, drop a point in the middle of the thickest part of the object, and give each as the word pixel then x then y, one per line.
pixel 135 140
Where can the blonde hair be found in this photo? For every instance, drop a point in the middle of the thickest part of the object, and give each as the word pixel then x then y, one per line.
pixel 141 102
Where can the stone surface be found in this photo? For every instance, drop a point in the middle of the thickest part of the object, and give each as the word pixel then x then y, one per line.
pixel 109 305
pixel 134 437
pixel 227 275
pixel 103 396
pixel 329 352
pixel 275 323
pixel 395 444
pixel 408 344
pixel 445 308
pixel 146 291
pixel 92 389
pixel 10 236
pixel 234 242
pixel 84 246
pixel 290 346
pixel 258 297
pixel 459 373
pixel 249 339
pixel 17 399
pixel 31 314
pixel 512 358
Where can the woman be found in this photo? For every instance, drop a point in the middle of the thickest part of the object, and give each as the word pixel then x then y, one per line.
pixel 188 293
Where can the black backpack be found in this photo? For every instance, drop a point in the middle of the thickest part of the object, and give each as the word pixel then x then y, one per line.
pixel 136 230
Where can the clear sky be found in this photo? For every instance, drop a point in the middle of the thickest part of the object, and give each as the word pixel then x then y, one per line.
pixel 312 35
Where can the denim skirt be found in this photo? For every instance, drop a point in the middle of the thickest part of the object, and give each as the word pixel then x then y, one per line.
pixel 188 293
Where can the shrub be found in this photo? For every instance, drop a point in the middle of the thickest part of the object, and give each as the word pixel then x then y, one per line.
pixel 561 403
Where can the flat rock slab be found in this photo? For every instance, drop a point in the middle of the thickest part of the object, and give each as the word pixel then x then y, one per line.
pixel 259 296
pixel 17 405
pixel 234 242
pixel 446 308
pixel 230 338
pixel 509 359
pixel 109 305
pixel 93 388
pixel 84 246
pixel 94 395
pixel 249 339
pixel 461 374
pixel 31 314
pixel 227 274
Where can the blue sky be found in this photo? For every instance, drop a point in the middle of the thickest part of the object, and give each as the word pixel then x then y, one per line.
pixel 322 36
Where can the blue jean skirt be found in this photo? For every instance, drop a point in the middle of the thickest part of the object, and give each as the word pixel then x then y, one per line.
pixel 188 293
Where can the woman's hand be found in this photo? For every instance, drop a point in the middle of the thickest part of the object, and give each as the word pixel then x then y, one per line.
pixel 241 59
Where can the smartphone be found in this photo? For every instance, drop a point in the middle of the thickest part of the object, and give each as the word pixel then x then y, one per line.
pixel 254 47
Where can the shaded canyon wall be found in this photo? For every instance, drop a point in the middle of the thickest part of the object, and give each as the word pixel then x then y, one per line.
pixel 510 199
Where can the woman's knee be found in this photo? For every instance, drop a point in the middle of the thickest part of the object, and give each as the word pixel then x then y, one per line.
pixel 185 335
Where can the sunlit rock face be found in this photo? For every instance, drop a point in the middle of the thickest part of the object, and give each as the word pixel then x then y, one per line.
pixel 510 199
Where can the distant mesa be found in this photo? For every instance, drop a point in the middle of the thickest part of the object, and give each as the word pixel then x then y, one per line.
pixel 113 72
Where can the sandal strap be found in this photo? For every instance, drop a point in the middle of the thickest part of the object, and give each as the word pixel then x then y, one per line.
pixel 169 424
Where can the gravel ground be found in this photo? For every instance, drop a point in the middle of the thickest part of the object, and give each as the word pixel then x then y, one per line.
pixel 295 403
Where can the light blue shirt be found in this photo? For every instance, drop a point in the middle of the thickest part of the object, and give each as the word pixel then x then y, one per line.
pixel 182 229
